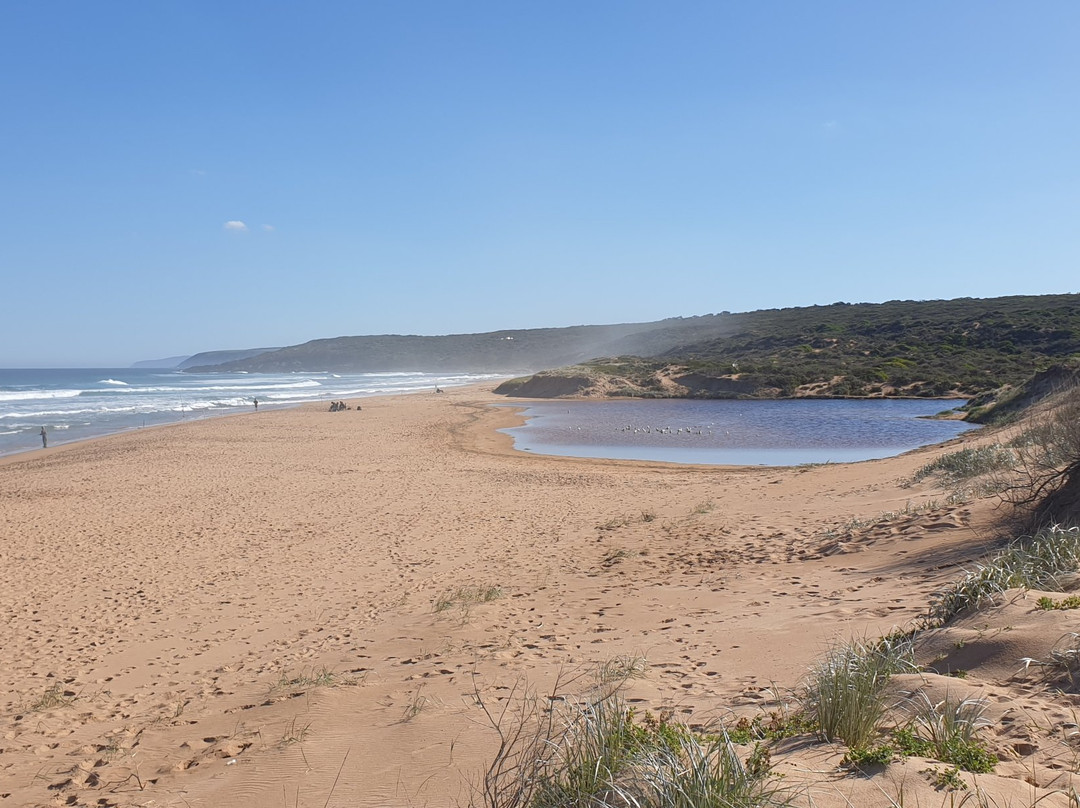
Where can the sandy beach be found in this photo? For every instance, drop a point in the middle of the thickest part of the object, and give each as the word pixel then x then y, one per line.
pixel 302 608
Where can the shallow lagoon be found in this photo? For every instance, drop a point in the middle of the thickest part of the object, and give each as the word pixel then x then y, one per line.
pixel 725 432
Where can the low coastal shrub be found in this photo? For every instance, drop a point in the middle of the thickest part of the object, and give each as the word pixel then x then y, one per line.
pixel 1046 489
pixel 965 464
pixel 948 780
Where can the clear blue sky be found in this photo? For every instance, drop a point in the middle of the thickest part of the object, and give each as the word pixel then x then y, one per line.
pixel 186 176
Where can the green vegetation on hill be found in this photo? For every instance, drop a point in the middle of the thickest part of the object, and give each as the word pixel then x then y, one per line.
pixel 941 348
pixel 932 347
pixel 911 348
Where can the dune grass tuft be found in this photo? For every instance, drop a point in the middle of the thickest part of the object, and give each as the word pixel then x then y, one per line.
pixel 1035 562
pixel 950 728
pixel 564 751
pixel 321 677
pixel 845 691
pixel 464 597
pixel 54 696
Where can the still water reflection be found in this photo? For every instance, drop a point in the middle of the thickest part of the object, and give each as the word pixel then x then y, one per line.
pixel 772 433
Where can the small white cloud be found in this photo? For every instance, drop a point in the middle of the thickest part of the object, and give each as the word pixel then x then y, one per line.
pixel 196 172
pixel 236 226
pixel 269 228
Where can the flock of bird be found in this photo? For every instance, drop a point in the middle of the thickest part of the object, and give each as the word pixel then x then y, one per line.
pixel 661 430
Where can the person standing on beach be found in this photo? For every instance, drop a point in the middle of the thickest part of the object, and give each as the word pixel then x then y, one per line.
pixel 44 439
pixel 256 404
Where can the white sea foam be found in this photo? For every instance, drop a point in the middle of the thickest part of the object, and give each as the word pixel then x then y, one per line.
pixel 113 381
pixel 224 388
pixel 38 415
pixel 31 395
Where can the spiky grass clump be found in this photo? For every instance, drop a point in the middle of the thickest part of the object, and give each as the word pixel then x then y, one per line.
pixel 950 728
pixel 607 760
pixel 1065 657
pixel 615 672
pixel 845 691
pixel 597 745
pixel 594 752
pixel 1036 562
pixel 706 771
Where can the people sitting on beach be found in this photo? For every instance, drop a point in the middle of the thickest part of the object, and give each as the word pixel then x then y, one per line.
pixel 337 406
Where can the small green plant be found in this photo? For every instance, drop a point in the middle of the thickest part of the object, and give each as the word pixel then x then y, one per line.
pixel 773 726
pixel 908 744
pixel 705 771
pixel 564 751
pixel 1048 604
pixel 861 758
pixel 948 780
pixel 598 744
pixel 703 507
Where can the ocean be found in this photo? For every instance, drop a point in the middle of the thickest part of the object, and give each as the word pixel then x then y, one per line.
pixel 76 404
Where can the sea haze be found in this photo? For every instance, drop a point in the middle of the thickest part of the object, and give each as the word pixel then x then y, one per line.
pixel 75 404
pixel 725 432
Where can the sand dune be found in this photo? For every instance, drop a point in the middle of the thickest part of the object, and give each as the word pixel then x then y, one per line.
pixel 242 611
